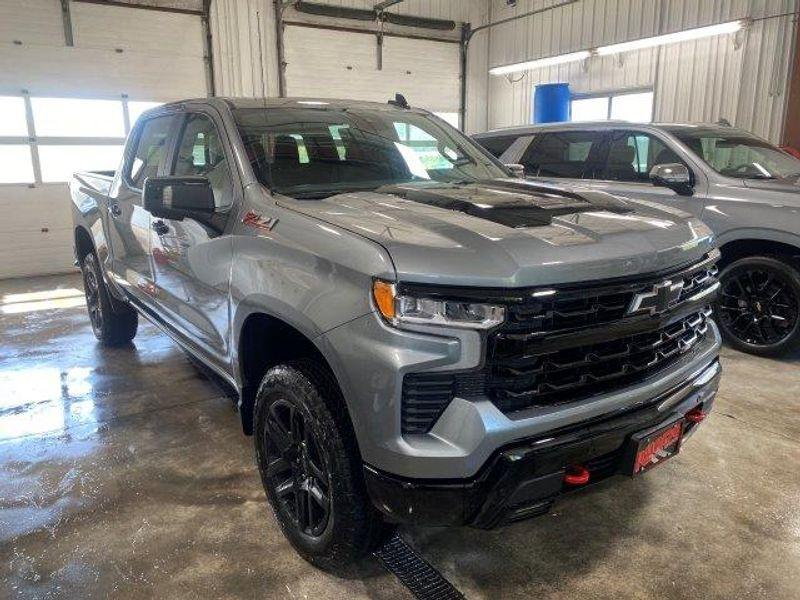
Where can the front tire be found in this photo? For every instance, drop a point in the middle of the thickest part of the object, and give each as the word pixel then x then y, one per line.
pixel 758 308
pixel 113 322
pixel 311 467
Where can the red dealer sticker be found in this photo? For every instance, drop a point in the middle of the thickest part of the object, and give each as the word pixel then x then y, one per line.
pixel 654 448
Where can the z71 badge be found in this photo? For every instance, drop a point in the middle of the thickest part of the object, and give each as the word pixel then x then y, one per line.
pixel 253 219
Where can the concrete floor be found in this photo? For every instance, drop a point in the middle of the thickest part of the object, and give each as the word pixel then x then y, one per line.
pixel 124 473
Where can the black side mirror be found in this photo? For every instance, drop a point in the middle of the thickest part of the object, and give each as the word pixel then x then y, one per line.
pixel 178 197
pixel 674 176
pixel 517 170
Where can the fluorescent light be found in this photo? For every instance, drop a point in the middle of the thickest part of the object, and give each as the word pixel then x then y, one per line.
pixel 659 40
pixel 672 38
pixel 541 62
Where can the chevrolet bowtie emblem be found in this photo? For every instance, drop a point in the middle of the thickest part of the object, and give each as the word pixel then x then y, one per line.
pixel 658 300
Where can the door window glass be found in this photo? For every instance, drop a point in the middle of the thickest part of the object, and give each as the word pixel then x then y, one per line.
pixel 201 154
pixel 632 155
pixel 497 144
pixel 563 154
pixel 151 150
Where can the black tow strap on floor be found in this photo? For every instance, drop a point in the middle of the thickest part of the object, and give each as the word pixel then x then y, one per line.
pixel 414 572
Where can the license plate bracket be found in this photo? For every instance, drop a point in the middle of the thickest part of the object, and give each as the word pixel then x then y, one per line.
pixel 650 448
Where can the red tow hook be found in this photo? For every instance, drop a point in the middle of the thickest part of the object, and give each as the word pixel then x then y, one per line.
pixel 576 475
pixel 696 415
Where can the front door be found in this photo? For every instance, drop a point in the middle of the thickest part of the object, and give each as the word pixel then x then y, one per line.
pixel 130 223
pixel 617 162
pixel 192 257
pixel 631 157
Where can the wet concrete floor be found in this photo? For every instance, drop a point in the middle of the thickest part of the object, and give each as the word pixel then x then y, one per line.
pixel 124 474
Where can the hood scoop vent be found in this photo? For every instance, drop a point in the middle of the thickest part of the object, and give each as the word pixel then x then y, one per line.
pixel 512 205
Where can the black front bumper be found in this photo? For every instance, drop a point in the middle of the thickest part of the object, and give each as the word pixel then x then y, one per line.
pixel 524 479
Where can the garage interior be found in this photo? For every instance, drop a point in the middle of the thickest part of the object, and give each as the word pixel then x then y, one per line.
pixel 124 472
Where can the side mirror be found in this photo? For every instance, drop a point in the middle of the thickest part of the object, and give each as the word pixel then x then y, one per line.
pixel 674 176
pixel 517 170
pixel 178 197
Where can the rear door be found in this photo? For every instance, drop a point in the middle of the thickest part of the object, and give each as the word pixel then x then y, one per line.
pixel 129 223
pixel 192 257
pixel 571 155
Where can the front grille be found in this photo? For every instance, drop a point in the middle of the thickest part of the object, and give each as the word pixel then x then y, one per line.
pixel 520 377
pixel 572 308
pixel 569 344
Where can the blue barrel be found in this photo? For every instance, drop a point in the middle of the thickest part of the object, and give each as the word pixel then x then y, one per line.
pixel 551 103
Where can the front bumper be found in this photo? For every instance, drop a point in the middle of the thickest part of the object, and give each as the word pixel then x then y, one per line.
pixel 523 479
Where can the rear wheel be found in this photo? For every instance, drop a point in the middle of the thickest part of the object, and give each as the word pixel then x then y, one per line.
pixel 311 468
pixel 758 308
pixel 114 323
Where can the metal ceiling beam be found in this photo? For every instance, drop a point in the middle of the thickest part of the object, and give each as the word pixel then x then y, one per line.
pixel 381 6
pixel 530 13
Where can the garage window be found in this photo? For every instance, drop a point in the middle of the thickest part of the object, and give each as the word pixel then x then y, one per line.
pixel 636 107
pixel 64 135
pixel 15 164
pixel 76 117
pixel 12 116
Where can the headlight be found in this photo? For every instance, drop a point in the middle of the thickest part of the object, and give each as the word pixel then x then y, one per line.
pixel 399 310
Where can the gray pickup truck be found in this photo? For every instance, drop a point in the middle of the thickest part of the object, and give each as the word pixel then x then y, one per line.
pixel 744 188
pixel 414 335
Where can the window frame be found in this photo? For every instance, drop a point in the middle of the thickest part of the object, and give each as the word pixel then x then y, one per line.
pixel 133 145
pixel 34 141
pixel 179 128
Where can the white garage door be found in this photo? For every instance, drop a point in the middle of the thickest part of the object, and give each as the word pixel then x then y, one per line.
pixel 76 96
pixel 337 64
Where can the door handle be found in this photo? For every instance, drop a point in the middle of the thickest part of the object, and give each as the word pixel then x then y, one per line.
pixel 160 227
pixel 115 210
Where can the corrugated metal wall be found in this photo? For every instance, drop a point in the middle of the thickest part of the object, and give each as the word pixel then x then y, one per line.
pixel 241 69
pixel 743 80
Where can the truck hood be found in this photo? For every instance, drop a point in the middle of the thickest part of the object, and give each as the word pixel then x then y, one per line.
pixel 511 233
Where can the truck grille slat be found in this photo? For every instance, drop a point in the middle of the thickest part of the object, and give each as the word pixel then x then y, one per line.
pixel 571 345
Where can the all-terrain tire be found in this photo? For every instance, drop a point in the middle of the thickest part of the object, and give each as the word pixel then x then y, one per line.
pixel 114 323
pixel 322 464
pixel 758 308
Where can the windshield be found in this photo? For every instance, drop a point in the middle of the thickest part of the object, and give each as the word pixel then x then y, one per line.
pixel 739 154
pixel 312 153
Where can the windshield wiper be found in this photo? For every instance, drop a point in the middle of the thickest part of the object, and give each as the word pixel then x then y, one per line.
pixel 326 193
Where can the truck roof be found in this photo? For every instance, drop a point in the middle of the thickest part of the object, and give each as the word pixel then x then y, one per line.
pixel 603 125
pixel 297 102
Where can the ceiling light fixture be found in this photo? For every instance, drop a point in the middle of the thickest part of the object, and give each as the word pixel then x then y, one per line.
pixel 540 62
pixel 640 44
pixel 672 38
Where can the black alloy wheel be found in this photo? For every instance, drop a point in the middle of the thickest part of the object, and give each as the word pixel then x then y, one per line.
pixel 311 468
pixel 92 289
pixel 114 323
pixel 758 307
pixel 296 469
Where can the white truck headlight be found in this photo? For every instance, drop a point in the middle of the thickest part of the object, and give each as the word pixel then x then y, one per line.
pixel 405 309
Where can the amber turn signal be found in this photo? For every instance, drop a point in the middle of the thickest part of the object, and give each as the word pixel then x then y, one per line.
pixel 383 293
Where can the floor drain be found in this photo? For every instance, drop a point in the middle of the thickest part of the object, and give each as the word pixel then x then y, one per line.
pixel 414 572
